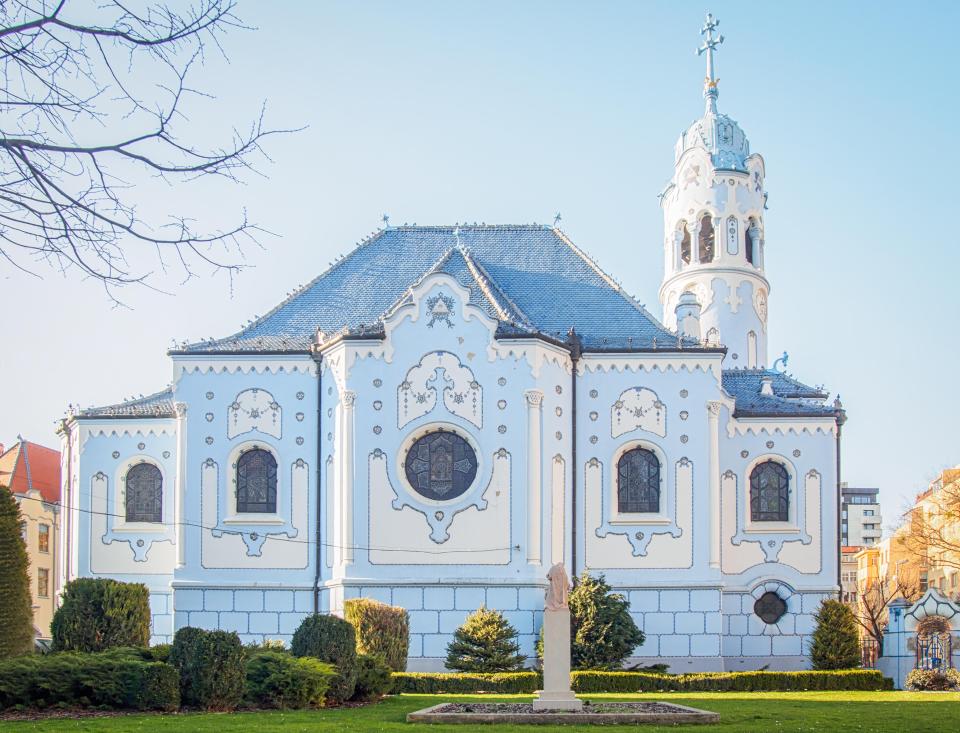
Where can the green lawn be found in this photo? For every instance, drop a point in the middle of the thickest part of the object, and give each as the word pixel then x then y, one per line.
pixel 740 712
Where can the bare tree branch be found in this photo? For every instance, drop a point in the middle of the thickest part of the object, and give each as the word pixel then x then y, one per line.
pixel 94 99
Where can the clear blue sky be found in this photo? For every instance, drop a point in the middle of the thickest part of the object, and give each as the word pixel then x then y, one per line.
pixel 438 112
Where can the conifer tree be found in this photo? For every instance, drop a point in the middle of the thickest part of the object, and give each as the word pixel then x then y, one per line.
pixel 486 642
pixel 603 633
pixel 16 605
pixel 836 639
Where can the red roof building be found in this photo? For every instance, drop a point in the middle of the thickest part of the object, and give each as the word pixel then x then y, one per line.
pixel 30 466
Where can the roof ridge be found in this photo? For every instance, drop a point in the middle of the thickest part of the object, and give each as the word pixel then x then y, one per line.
pixel 426 273
pixel 26 462
pixel 613 283
pixel 487 284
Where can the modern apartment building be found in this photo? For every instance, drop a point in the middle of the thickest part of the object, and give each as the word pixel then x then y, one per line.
pixel 861 523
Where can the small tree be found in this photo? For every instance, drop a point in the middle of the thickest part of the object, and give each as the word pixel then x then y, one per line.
pixel 101 613
pixel 16 605
pixel 836 639
pixel 603 633
pixel 382 630
pixel 486 642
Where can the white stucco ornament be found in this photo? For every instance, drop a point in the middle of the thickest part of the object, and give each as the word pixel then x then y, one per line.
pixel 638 408
pixel 254 409
pixel 440 372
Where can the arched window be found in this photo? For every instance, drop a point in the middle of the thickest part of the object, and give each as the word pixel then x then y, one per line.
pixel 638 482
pixel 685 244
pixel 748 240
pixel 257 482
pixel 713 337
pixel 144 499
pixel 707 239
pixel 769 493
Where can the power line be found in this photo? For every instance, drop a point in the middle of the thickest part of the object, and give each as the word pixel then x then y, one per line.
pixel 279 538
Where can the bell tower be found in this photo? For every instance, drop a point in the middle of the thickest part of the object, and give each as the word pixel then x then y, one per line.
pixel 713 229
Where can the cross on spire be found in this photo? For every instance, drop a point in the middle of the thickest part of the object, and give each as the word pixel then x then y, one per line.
pixel 710 44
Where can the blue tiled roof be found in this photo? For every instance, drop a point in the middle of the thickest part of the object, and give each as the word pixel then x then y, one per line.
pixel 790 398
pixel 531 278
pixel 159 404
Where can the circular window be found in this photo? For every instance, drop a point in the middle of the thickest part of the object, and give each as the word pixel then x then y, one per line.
pixel 770 607
pixel 441 466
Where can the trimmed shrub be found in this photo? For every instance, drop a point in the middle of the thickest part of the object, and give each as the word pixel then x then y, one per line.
pixel 381 630
pixel 857 679
pixel 933 680
pixel 602 631
pixel 330 639
pixel 373 678
pixel 160 652
pixel 486 642
pixel 16 604
pixel 836 639
pixel 116 681
pixel 277 680
pixel 432 683
pixel 101 613
pixel 211 668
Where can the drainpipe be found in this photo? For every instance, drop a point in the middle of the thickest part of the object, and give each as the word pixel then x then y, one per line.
pixel 576 349
pixel 841 419
pixel 318 358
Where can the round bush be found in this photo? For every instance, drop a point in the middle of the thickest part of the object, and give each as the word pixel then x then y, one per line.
pixel 101 613
pixel 211 666
pixel 278 680
pixel 330 639
pixel 373 678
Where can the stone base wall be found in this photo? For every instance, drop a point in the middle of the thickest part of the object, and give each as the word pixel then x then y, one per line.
pixel 691 630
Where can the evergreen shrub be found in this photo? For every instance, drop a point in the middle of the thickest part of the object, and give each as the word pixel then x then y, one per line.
pixel 330 639
pixel 486 642
pixel 602 631
pixel 101 613
pixel 836 639
pixel 435 683
pixel 373 678
pixel 933 680
pixel 115 681
pixel 211 667
pixel 276 679
pixel 16 603
pixel 381 630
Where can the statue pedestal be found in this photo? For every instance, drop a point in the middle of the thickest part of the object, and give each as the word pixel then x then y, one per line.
pixel 556 693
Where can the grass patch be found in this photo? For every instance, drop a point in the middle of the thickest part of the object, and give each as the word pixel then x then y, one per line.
pixel 746 712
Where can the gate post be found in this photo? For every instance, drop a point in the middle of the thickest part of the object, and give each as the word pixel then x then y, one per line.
pixel 896 659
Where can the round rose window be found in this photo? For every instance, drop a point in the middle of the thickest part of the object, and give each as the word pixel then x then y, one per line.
pixel 441 466
pixel 770 607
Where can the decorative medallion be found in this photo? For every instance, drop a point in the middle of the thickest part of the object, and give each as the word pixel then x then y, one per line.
pixel 559 411
pixel 744 453
pixel 377 405
pixel 116 454
pixel 329 412
pixel 299 440
pixel 594 415
pixel 141 446
pixel 140 543
pixel 441 466
pixel 438 516
pixel 594 439
pixel 559 389
pixel 684 438
pixel 558 435
pixel 329 436
pixel 209 395
pixel 166 454
pixel 501 429
pixel 208 440
pixel 638 408
pixel 502 404
pixel 378 382
pixel 300 395
pixel 440 308
pixel 796 453
pixel 769 444
pixel 684 414
pixel 377 430
pixel 299 417
pixel 330 390
pixel 502 381
pixel 208 417
pixel 253 409
pixel 684 393
pixel 594 393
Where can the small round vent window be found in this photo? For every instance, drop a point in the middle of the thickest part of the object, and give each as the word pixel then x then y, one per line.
pixel 770 607
pixel 441 466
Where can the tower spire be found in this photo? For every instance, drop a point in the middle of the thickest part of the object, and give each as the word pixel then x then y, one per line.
pixel 710 44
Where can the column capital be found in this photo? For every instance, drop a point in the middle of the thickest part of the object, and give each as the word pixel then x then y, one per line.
pixel 534 397
pixel 348 398
pixel 714 409
pixel 180 408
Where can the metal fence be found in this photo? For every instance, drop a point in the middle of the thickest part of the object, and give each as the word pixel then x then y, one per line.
pixel 869 651
pixel 934 651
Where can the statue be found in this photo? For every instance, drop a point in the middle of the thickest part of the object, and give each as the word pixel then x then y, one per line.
pixel 559 589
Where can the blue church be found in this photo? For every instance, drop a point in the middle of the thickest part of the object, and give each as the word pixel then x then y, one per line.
pixel 449 410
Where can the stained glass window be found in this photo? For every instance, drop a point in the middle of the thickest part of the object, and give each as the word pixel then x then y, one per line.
pixel 441 466
pixel 144 499
pixel 769 493
pixel 257 482
pixel 638 482
pixel 770 607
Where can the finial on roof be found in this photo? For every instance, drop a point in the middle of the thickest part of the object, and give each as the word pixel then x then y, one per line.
pixel 386 221
pixel 556 220
pixel 456 234
pixel 785 358
pixel 710 45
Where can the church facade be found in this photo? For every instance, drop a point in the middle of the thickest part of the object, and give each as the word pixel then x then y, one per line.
pixel 448 411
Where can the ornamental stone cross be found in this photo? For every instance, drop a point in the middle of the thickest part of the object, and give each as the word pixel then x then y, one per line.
pixel 556 693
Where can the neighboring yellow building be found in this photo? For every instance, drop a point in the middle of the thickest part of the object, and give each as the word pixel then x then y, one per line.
pixel 848 574
pixel 938 508
pixel 32 473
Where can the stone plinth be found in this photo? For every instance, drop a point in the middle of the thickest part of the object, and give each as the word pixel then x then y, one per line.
pixel 556 693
